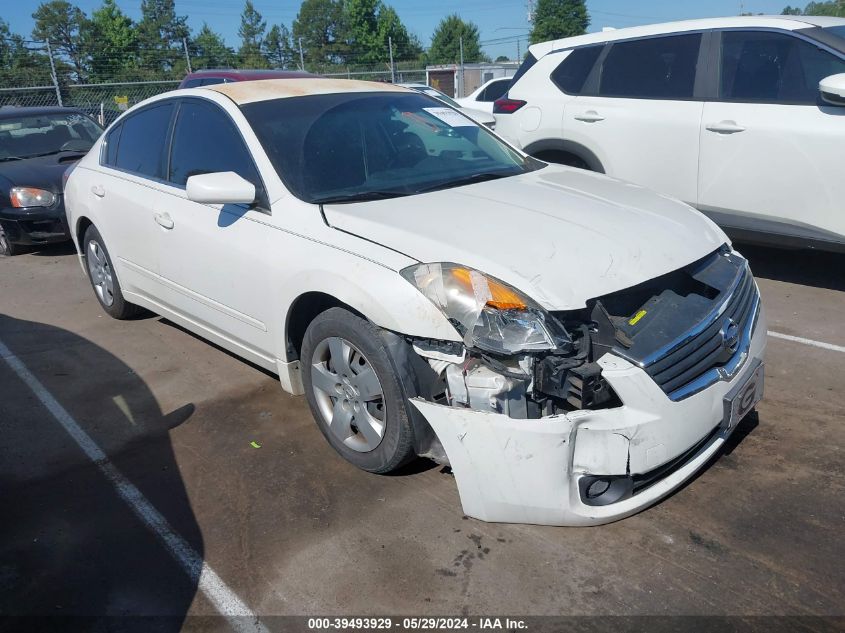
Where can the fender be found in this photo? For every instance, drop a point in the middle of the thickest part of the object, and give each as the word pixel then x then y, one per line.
pixel 378 293
pixel 571 147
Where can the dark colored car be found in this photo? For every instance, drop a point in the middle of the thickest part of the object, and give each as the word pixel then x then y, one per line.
pixel 37 145
pixel 209 77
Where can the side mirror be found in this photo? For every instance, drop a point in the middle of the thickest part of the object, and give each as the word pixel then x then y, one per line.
pixel 224 187
pixel 833 89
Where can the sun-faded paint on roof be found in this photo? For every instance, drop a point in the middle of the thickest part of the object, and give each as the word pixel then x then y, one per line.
pixel 242 92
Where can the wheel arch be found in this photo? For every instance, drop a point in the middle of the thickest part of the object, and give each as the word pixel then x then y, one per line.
pixel 567 147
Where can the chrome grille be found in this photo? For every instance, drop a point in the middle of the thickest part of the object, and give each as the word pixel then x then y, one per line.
pixel 714 350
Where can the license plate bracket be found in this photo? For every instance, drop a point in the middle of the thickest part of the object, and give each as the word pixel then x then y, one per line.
pixel 742 398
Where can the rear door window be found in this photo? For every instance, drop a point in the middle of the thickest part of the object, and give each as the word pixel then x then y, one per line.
pixel 572 72
pixel 143 141
pixel 653 68
pixel 763 67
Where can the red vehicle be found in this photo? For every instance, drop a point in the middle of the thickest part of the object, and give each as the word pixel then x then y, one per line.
pixel 209 77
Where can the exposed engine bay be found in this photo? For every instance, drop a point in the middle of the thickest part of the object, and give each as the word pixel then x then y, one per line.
pixel 678 325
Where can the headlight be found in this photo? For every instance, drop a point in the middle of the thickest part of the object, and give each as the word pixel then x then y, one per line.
pixel 488 313
pixel 31 197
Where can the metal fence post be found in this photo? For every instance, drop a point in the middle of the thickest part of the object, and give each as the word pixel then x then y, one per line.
pixel 392 67
pixel 461 41
pixel 301 58
pixel 53 74
pixel 187 57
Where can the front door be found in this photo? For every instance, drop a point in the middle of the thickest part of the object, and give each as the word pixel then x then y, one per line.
pixel 771 153
pixel 214 257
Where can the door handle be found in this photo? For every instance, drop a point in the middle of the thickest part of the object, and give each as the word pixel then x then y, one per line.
pixel 724 127
pixel 98 191
pixel 590 116
pixel 163 219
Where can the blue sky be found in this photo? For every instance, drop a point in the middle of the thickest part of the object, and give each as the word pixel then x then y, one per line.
pixel 496 19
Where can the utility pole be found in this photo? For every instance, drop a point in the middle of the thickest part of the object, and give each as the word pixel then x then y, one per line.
pixel 392 69
pixel 461 42
pixel 187 57
pixel 53 74
pixel 518 52
pixel 301 58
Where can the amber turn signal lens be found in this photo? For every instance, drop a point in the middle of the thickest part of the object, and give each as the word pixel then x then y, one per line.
pixel 501 297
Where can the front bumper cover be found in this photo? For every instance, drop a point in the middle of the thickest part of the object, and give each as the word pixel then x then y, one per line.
pixel 36 225
pixel 528 470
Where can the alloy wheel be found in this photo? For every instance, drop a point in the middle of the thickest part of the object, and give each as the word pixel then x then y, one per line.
pixel 101 273
pixel 348 393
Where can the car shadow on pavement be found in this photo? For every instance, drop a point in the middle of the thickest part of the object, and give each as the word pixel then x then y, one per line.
pixel 73 554
pixel 52 250
pixel 806 267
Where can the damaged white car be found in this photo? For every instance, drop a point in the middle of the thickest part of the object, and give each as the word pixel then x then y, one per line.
pixel 573 346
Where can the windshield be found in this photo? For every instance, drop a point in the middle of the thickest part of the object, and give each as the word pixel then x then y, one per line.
pixel 44 134
pixel 349 147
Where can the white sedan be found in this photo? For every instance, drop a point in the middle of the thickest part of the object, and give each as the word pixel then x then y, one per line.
pixel 483 97
pixel 575 347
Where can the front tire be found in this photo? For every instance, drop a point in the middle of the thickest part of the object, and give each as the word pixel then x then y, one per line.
pixel 7 249
pixel 102 277
pixel 353 389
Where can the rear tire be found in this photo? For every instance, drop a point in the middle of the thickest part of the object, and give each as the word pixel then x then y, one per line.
pixel 7 249
pixel 355 393
pixel 103 279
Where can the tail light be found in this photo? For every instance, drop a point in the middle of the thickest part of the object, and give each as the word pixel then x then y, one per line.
pixel 507 106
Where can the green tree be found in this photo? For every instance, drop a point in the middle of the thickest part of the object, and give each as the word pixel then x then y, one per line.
pixel 251 32
pixel 19 65
pixel 320 25
pixel 555 19
pixel 114 44
pixel 208 50
pixel 160 34
pixel 446 42
pixel 502 58
pixel 835 8
pixel 278 48
pixel 406 46
pixel 66 28
pixel 361 23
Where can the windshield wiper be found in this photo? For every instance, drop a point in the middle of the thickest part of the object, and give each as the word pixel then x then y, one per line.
pixel 361 196
pixel 467 180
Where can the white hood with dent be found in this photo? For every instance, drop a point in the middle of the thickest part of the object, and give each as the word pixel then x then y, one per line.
pixel 560 235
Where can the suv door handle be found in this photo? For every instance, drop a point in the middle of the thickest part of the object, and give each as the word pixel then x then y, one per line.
pixel 98 191
pixel 163 219
pixel 590 116
pixel 724 127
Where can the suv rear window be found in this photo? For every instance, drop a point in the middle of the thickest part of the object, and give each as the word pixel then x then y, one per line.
pixel 654 68
pixel 573 71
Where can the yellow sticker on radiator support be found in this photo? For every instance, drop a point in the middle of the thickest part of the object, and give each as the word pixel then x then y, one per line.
pixel 639 315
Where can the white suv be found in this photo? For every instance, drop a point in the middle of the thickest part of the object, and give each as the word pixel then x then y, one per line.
pixel 742 118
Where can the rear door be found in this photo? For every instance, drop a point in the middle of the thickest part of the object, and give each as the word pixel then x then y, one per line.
pixel 214 257
pixel 639 112
pixel 771 151
pixel 125 191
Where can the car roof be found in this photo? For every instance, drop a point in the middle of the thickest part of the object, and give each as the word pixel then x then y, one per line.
pixel 246 74
pixel 783 22
pixel 253 91
pixel 15 111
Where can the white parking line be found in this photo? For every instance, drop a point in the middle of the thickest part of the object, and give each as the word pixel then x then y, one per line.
pixel 807 341
pixel 239 615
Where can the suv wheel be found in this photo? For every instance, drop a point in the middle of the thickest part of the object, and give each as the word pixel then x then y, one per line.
pixel 7 249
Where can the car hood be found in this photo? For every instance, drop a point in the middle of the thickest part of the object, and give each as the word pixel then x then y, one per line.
pixel 43 172
pixel 561 235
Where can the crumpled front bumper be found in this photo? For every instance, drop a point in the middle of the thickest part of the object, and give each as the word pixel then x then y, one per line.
pixel 527 471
